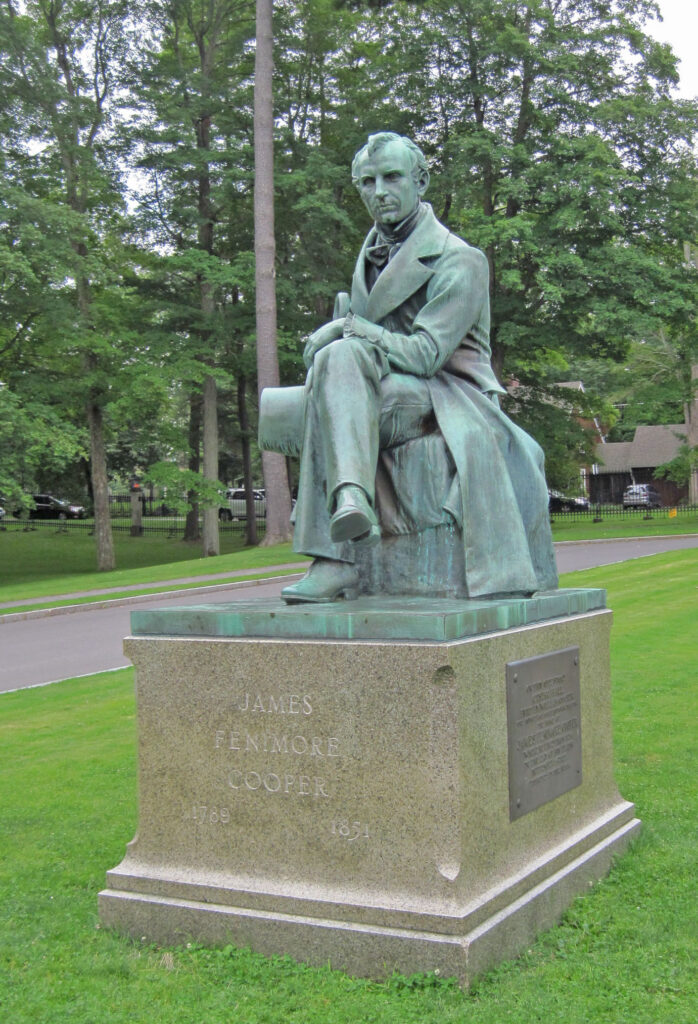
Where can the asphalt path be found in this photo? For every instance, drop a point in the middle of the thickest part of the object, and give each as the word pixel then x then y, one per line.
pixel 587 554
pixel 45 647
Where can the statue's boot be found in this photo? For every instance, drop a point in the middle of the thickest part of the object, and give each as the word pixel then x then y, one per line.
pixel 353 517
pixel 325 580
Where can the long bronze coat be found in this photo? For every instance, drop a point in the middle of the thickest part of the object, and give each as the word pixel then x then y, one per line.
pixel 432 303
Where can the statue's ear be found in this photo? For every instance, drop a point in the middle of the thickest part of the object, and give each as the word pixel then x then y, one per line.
pixel 423 181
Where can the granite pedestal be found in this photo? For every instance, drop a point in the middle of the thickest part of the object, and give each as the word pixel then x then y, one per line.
pixel 416 801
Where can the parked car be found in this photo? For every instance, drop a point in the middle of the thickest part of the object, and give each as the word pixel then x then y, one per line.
pixel 2 512
pixel 163 509
pixel 558 502
pixel 48 507
pixel 237 505
pixel 641 496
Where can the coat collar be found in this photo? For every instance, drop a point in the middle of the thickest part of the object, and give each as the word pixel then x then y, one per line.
pixel 404 275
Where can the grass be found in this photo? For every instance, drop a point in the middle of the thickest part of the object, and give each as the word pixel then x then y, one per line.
pixel 43 563
pixel 624 953
pixel 35 605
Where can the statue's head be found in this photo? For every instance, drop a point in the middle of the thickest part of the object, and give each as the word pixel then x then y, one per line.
pixel 391 174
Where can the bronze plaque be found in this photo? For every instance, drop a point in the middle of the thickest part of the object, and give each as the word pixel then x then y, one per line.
pixel 544 729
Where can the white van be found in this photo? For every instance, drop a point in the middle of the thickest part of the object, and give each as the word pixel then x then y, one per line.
pixel 237 506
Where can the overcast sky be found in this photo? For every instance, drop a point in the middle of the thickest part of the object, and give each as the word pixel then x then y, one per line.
pixel 680 29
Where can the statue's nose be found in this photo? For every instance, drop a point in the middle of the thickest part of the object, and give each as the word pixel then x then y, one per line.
pixel 380 187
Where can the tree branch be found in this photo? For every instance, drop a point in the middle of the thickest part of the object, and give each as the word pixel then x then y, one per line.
pixel 18 333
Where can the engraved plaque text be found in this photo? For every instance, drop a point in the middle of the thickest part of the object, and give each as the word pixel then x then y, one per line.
pixel 544 729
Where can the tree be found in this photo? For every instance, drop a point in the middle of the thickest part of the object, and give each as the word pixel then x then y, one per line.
pixel 557 149
pixel 61 79
pixel 562 155
pixel 278 497
pixel 35 253
pixel 192 133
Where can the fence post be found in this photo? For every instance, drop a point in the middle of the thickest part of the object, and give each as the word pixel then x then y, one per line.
pixel 136 508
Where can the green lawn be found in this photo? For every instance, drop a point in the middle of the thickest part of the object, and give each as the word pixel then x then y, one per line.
pixel 46 562
pixel 624 954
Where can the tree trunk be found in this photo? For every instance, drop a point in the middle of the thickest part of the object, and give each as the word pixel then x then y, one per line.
pixel 244 421
pixel 210 540
pixel 77 187
pixel 278 498
pixel 106 560
pixel 100 490
pixel 191 526
pixel 692 434
pixel 136 514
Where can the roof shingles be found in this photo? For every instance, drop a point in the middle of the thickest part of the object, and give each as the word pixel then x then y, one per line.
pixel 651 446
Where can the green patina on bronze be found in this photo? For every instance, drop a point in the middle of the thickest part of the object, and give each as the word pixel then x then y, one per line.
pixel 399 419
pixel 367 618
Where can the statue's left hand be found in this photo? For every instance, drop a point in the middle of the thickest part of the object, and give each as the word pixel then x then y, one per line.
pixel 359 327
pixel 324 335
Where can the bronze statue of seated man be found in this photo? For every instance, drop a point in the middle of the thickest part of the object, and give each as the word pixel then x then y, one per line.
pixel 410 360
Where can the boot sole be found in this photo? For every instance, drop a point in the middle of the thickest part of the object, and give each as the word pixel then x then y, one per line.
pixel 349 525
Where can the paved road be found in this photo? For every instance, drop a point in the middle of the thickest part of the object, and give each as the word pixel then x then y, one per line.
pixel 47 648
pixel 574 555
pixel 35 651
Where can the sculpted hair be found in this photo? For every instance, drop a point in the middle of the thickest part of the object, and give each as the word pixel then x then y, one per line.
pixel 381 139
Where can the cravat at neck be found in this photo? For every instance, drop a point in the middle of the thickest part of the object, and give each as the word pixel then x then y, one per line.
pixel 395 234
pixel 389 238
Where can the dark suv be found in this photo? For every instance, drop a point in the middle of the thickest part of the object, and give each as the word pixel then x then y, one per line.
pixel 558 502
pixel 48 507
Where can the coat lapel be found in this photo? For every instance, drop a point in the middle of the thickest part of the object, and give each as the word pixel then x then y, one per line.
pixel 403 276
pixel 359 291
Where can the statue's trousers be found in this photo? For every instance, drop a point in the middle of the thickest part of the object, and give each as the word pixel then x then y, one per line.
pixel 355 407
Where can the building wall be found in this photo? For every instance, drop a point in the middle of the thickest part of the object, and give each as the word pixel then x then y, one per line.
pixel 607 488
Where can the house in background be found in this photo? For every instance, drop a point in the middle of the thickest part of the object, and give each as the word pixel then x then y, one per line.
pixel 619 464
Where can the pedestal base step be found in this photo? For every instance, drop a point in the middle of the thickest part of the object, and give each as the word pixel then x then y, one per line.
pixel 361 949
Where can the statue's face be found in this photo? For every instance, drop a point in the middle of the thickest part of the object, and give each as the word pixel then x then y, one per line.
pixel 387 184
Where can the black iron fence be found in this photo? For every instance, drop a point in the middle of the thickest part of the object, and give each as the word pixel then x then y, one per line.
pixel 170 526
pixel 232 508
pixel 156 517
pixel 162 522
pixel 597 513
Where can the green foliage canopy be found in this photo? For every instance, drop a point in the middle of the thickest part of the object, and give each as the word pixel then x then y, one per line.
pixel 556 144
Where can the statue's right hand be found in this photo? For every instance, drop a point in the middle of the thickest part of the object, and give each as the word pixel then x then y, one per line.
pixel 324 335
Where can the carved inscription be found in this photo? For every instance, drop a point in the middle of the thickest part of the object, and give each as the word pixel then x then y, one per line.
pixel 285 784
pixel 277 743
pixel 273 703
pixel 349 830
pixel 265 747
pixel 544 729
pixel 274 772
